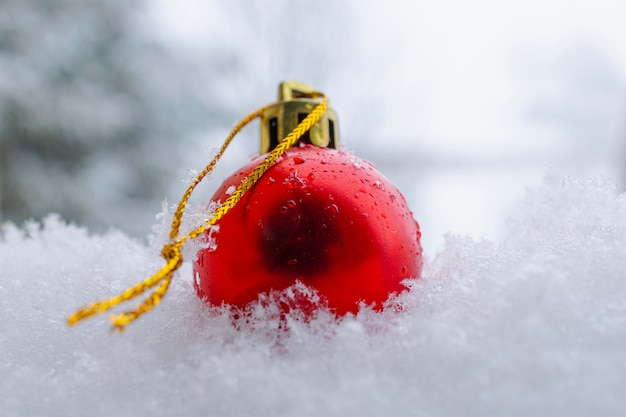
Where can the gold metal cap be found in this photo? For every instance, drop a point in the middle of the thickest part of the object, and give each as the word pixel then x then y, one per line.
pixel 295 101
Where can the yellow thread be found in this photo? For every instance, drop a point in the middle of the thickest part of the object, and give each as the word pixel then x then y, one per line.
pixel 172 251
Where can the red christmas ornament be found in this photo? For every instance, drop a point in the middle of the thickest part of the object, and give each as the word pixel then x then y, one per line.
pixel 313 215
pixel 319 216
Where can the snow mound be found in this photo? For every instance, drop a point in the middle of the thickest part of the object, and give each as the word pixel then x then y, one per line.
pixel 532 325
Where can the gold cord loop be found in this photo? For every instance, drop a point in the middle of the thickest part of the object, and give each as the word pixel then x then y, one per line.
pixel 171 252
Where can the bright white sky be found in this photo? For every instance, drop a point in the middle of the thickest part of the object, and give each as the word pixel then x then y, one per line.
pixel 457 57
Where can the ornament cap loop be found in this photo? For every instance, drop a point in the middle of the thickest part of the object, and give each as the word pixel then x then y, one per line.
pixel 295 101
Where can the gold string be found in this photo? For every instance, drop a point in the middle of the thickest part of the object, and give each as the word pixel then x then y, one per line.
pixel 172 251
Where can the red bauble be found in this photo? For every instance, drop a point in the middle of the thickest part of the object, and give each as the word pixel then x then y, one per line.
pixel 319 216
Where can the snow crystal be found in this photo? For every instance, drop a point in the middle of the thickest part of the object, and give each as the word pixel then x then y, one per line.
pixel 534 324
pixel 357 162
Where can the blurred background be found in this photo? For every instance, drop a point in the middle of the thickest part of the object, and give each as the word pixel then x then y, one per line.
pixel 107 108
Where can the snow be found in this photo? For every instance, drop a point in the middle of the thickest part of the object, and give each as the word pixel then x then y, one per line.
pixel 531 324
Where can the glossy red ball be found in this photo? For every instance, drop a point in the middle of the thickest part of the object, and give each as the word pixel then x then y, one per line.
pixel 319 216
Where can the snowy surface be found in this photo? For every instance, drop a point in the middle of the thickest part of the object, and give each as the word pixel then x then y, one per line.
pixel 532 325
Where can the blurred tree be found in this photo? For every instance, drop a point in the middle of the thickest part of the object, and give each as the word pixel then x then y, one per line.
pixel 90 107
